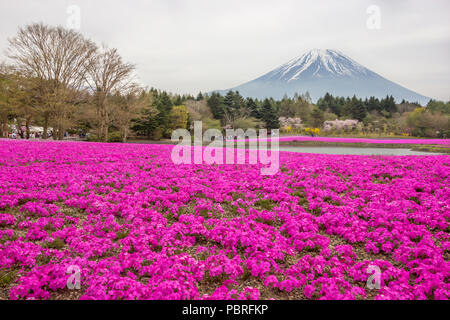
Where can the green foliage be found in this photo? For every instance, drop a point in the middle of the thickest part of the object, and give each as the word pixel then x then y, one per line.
pixel 211 124
pixel 269 115
pixel 146 122
pixel 178 117
pixel 115 137
pixel 92 138
pixel 266 204
pixel 217 106
pixel 317 118
pixel 439 106
pixel 253 108
pixel 388 105
pixel 7 277
pixel 122 234
pixel 328 102
pixel 297 107
pixel 164 105
pixel 155 120
pixel 355 109
pixel 55 244
pixel 246 123
pixel 199 96
pixel 425 123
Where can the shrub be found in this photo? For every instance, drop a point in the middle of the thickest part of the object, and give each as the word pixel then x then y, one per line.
pixel 115 137
pixel 92 138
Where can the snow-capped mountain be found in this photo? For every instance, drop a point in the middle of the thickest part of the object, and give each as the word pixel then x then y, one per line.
pixel 322 70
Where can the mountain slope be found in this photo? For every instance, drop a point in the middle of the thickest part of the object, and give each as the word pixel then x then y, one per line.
pixel 319 71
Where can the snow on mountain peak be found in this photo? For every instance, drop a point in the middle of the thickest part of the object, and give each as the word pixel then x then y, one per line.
pixel 319 71
pixel 318 63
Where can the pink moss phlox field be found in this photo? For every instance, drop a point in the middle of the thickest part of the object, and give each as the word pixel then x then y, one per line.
pixel 140 227
pixel 362 140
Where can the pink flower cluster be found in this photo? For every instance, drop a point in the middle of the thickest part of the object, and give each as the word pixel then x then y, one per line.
pixel 140 227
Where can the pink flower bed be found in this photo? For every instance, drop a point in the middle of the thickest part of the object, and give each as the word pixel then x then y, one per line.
pixel 139 227
pixel 359 140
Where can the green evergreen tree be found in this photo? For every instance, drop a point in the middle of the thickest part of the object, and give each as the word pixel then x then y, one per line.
pixel 358 109
pixel 373 104
pixel 216 105
pixel 178 100
pixel 269 115
pixel 164 105
pixel 253 107
pixel 388 105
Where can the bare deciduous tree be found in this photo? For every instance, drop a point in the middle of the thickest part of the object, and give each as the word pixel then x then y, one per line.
pixel 198 110
pixel 57 56
pixel 127 107
pixel 106 74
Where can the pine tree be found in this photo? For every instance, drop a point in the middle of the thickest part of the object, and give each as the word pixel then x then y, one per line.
pixel 269 116
pixel 253 108
pixel 388 105
pixel 178 100
pixel 216 105
pixel 164 105
pixel 358 109
pixel 373 104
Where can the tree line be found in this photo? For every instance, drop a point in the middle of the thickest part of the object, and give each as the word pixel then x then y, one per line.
pixel 376 116
pixel 385 115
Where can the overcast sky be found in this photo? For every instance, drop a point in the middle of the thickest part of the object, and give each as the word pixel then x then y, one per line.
pixel 186 46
